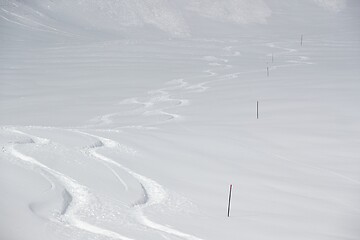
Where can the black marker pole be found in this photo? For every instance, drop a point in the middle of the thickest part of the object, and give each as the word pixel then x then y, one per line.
pixel 228 213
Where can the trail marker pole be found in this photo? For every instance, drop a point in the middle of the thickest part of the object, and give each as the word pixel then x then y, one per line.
pixel 272 57
pixel 267 71
pixel 301 41
pixel 257 109
pixel 228 212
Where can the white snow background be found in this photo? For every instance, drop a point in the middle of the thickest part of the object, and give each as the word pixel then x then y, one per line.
pixel 129 119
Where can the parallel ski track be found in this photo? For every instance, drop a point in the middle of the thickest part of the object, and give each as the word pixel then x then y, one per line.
pixel 153 192
pixel 80 194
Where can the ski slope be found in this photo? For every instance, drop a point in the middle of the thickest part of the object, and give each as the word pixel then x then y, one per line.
pixel 130 119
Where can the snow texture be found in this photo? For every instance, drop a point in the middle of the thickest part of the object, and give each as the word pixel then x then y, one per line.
pixel 129 119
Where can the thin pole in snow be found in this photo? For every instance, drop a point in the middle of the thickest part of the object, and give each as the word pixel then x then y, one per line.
pixel 272 57
pixel 267 70
pixel 301 41
pixel 228 212
pixel 257 109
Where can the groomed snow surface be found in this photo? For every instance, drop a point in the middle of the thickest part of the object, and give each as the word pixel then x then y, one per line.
pixel 130 119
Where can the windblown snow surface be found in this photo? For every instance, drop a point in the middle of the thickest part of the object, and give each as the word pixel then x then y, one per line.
pixel 129 119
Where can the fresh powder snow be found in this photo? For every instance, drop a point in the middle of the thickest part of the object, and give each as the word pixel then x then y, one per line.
pixel 130 119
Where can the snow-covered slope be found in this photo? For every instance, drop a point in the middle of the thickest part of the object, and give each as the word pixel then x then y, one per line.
pixel 176 18
pixel 130 119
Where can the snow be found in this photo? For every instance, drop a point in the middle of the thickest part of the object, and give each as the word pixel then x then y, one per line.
pixel 130 119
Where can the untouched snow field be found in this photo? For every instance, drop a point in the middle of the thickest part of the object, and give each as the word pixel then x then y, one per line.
pixel 130 119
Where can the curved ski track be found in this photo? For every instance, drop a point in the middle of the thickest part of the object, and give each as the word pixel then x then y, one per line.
pixel 153 192
pixel 160 102
pixel 79 195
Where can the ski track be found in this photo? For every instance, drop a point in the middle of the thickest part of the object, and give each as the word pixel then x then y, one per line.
pixel 230 76
pixel 153 192
pixel 106 161
pixel 78 195
pixel 150 107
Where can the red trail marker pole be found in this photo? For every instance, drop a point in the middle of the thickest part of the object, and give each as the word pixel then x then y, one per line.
pixel 228 212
